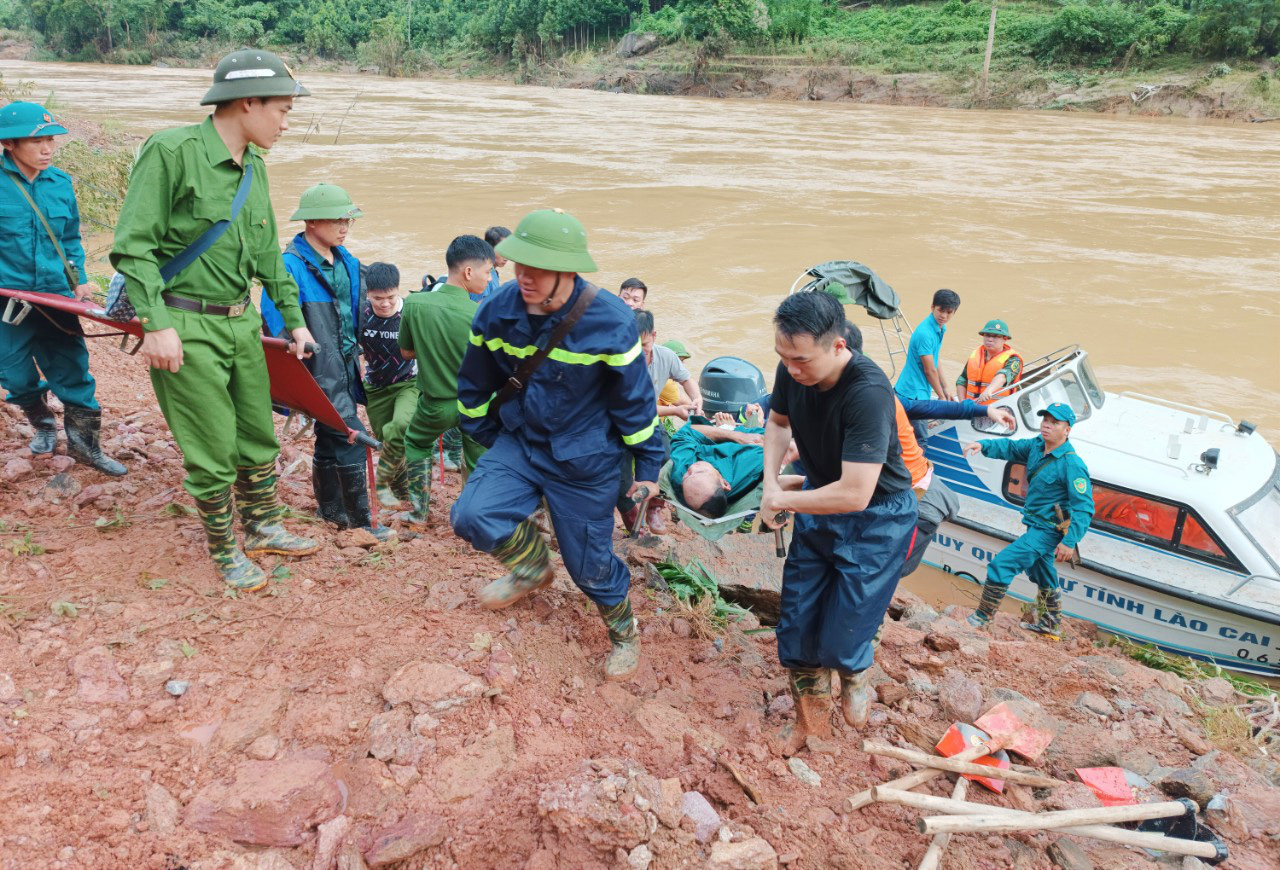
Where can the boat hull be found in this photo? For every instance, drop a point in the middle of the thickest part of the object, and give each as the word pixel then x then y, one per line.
pixel 1172 623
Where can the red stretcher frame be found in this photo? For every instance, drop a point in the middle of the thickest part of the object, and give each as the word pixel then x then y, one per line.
pixel 291 383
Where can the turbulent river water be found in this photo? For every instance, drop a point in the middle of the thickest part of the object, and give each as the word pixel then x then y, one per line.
pixel 1153 244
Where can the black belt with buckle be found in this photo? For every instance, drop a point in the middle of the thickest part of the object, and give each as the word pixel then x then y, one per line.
pixel 180 302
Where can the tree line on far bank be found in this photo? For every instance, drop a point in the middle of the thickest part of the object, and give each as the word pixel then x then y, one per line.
pixel 400 35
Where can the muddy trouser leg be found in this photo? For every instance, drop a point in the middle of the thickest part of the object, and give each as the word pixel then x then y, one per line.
pixel 62 358
pixel 1044 574
pixel 1013 560
pixel 500 494
pixel 430 418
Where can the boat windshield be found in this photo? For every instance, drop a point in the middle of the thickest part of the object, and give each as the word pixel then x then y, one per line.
pixel 1066 387
pixel 1261 521
pixel 1091 387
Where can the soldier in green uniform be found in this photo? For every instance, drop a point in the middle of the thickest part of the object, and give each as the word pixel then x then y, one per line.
pixel 202 334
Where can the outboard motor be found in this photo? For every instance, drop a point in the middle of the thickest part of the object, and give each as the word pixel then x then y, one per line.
pixel 729 384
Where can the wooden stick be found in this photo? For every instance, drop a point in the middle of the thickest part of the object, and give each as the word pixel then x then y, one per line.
pixel 933 856
pixel 911 780
pixel 998 823
pixel 1172 845
pixel 938 763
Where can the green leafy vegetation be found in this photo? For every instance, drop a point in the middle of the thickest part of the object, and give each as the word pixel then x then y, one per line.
pixel 1189 669
pixel 402 36
pixel 696 589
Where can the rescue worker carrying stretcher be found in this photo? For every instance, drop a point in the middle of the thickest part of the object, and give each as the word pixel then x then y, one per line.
pixel 992 366
pixel 1057 510
pixel 554 384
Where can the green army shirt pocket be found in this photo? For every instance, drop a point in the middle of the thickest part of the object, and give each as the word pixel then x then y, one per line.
pixel 210 211
pixel 58 214
pixel 15 219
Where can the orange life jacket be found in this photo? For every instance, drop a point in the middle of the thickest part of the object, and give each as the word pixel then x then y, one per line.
pixel 980 371
pixel 912 454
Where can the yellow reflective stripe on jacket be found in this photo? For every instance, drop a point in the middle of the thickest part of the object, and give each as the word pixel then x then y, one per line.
pixel 641 436
pixel 559 354
pixel 473 412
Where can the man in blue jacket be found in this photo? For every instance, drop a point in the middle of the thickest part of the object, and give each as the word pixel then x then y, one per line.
pixel 331 294
pixel 561 434
pixel 43 254
pixel 1057 510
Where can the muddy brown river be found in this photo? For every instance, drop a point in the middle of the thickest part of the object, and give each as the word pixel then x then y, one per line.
pixel 1153 244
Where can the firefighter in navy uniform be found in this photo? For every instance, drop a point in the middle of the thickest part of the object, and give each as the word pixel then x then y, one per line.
pixel 561 435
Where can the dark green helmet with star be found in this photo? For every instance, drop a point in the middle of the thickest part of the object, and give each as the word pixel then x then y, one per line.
pixel 549 239
pixel 995 327
pixel 252 72
pixel 22 120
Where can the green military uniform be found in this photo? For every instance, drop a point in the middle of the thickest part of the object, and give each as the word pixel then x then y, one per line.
pixel 436 327
pixel 218 403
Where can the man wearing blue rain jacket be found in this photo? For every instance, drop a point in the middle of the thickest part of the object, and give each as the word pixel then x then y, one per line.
pixel 331 295
pixel 561 435
pixel 1057 480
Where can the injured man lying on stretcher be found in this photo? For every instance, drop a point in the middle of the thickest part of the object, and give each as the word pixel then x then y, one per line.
pixel 712 465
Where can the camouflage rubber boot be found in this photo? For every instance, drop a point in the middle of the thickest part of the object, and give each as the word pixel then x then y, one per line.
pixel 418 477
pixel 261 513
pixel 624 635
pixel 400 481
pixel 232 565
pixel 992 595
pixel 389 468
pixel 529 559
pixel 811 692
pixel 354 483
pixel 45 424
pixel 452 449
pixel 1048 615
pixel 855 698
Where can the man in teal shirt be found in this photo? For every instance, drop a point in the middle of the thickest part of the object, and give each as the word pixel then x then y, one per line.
pixel 711 466
pixel 1057 480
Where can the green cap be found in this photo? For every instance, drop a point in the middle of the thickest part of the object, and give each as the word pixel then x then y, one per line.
pixel 677 347
pixel 27 121
pixel 549 239
pixel 252 72
pixel 1059 411
pixel 995 327
pixel 325 202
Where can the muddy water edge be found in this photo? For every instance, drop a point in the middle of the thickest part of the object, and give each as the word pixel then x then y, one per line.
pixel 1152 244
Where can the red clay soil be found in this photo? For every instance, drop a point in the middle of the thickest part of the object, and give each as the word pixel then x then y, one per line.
pixel 366 709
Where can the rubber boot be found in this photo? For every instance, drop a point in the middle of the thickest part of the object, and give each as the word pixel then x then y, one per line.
pixel 84 440
pixel 261 513
pixel 232 565
pixel 328 491
pixel 992 595
pixel 529 559
pixel 624 635
pixel 418 475
pixel 452 449
pixel 355 498
pixel 855 698
pixel 389 469
pixel 400 481
pixel 811 692
pixel 1048 615
pixel 45 424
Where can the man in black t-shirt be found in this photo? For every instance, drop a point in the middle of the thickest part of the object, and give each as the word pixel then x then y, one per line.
pixel 855 514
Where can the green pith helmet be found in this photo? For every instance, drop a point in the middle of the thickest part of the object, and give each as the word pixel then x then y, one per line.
pixel 995 327
pixel 549 239
pixel 325 202
pixel 838 290
pixel 677 347
pixel 26 121
pixel 252 72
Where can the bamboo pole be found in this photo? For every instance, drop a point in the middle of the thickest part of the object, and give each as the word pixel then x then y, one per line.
pixel 933 856
pixel 999 823
pixel 911 780
pixel 955 766
pixel 1172 845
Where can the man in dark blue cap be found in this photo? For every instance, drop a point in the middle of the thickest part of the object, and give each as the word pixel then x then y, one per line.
pixel 44 254
pixel 1057 510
